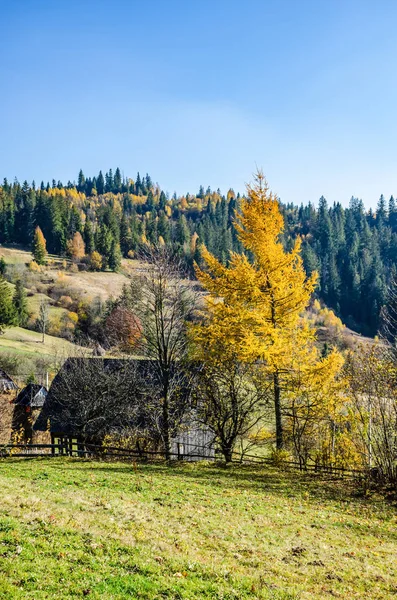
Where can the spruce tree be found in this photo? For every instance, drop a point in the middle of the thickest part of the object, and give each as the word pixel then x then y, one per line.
pixel 114 259
pixel 20 304
pixel 7 313
pixel 81 182
pixel 100 183
pixel 88 237
pixel 117 181
pixel 182 233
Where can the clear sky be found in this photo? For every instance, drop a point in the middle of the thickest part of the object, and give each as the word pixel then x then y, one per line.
pixel 201 91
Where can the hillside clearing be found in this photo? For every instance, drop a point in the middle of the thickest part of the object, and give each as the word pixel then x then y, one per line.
pixel 70 528
pixel 27 342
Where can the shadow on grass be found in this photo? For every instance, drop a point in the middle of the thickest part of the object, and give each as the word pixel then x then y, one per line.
pixel 257 479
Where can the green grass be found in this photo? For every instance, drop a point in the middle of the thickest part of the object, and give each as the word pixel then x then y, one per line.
pixel 28 343
pixel 74 529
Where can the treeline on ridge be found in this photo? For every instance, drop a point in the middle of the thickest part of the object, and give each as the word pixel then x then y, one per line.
pixel 354 250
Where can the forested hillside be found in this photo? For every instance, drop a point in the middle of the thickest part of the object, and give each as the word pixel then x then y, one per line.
pixel 353 250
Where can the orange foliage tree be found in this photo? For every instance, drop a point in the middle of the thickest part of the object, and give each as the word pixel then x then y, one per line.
pixel 76 247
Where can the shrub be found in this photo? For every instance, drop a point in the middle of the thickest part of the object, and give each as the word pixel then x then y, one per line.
pixel 34 267
pixel 65 301
pixel 95 261
pixel 73 268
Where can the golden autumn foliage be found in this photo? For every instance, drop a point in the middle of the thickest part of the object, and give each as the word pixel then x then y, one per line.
pixel 255 304
pixel 261 300
pixel 76 247
pixel 95 261
pixel 39 250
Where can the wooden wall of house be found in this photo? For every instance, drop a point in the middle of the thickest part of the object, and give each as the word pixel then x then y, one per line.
pixel 6 412
pixel 13 417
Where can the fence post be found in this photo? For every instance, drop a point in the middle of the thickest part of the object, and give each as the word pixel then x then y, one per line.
pixel 180 455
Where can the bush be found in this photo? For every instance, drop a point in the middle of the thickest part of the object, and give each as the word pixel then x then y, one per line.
pixel 73 268
pixel 95 261
pixel 34 267
pixel 280 457
pixel 65 301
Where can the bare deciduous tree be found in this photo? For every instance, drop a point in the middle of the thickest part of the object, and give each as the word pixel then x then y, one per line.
pixel 231 400
pixel 43 318
pixel 372 377
pixel 166 303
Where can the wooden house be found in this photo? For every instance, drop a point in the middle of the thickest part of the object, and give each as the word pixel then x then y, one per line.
pixel 27 407
pixel 8 389
pixel 6 383
pixel 91 398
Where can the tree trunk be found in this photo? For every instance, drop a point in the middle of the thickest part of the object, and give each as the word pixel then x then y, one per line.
pixel 227 452
pixel 277 409
pixel 166 428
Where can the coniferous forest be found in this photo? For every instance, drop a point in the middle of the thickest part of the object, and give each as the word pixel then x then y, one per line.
pixel 353 250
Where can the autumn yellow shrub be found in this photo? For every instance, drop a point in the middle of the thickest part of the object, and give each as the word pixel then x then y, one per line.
pixel 34 267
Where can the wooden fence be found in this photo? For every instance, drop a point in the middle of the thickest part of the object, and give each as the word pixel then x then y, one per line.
pixel 93 451
pixel 113 452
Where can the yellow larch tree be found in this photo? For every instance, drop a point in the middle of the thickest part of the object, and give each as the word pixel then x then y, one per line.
pixel 255 303
pixel 76 247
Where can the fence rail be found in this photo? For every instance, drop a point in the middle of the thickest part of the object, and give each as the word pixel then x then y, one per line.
pixel 104 452
pixel 92 450
pixel 317 468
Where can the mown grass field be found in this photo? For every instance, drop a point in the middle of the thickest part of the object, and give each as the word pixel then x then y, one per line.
pixel 75 529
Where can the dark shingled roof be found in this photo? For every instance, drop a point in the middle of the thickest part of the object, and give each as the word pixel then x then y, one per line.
pixel 6 383
pixel 32 395
pixel 53 412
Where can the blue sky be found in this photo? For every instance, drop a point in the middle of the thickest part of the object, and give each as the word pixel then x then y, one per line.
pixel 200 92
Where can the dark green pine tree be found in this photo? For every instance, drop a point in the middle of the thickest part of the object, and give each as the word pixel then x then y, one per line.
pixel 151 228
pixel 310 259
pixel 150 201
pixel 182 232
pixel 125 236
pixel 3 266
pixel 163 228
pixel 162 201
pixel 138 185
pixel 75 223
pixel 103 244
pixel 381 213
pixel 100 183
pixel 20 304
pixel 58 218
pixel 114 259
pixel 117 182
pixel 81 182
pixel 392 213
pixel 7 313
pixel 109 181
pixel 7 216
pixel 388 315
pixel 88 237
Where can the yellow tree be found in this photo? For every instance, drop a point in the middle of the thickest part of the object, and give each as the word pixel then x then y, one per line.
pixel 256 302
pixel 76 246
pixel 39 249
pixel 314 405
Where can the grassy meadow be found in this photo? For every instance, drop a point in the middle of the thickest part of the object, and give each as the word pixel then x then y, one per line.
pixel 29 343
pixel 71 529
pixel 81 286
